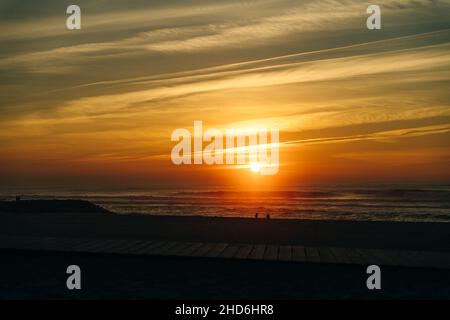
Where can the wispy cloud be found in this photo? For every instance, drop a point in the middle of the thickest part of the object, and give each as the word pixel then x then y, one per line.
pixel 115 90
pixel 228 30
pixel 376 136
pixel 426 58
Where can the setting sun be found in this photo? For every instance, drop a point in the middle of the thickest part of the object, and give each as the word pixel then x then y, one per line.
pixel 255 167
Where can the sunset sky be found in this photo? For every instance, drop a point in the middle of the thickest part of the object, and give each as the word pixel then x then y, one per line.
pixel 97 106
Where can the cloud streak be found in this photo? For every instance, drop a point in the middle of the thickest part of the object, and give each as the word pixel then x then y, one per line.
pixel 261 28
pixel 427 58
pixel 114 91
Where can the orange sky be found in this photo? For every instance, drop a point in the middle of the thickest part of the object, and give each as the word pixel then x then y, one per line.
pixel 98 105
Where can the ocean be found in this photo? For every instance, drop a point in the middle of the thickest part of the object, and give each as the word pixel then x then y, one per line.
pixel 375 203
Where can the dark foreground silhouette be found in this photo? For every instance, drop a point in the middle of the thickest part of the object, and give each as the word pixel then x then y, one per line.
pixel 82 219
pixel 34 274
pixel 41 275
pixel 50 206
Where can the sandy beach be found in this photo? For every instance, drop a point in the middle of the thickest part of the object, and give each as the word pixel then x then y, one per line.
pixel 96 223
pixel 37 274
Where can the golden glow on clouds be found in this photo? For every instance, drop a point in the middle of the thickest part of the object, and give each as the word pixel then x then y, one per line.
pixel 345 99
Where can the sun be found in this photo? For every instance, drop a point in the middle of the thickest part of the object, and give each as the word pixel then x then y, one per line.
pixel 255 167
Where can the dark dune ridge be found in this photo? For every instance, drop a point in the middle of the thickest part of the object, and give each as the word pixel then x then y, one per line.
pixel 81 219
pixel 50 206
